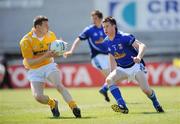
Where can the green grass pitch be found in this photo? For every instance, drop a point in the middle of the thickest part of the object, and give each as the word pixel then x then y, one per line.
pixel 19 107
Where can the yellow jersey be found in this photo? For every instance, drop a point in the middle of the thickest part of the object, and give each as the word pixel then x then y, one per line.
pixel 33 47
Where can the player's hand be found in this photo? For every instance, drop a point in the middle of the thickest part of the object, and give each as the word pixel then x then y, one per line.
pixel 50 54
pixel 68 53
pixel 136 59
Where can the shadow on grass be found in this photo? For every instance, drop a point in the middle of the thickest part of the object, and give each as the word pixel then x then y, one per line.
pixel 147 113
pixel 71 117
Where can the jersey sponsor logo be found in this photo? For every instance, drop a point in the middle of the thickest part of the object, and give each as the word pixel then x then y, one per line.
pixel 94 46
pixel 99 41
pixel 39 52
pixel 119 55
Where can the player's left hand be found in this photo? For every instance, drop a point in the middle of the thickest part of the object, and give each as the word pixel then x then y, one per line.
pixel 136 59
pixel 68 53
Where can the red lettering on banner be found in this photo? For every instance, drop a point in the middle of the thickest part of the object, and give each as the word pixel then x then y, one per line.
pixel 155 71
pixel 84 75
pixel 80 75
pixel 67 73
pixel 163 74
pixel 76 75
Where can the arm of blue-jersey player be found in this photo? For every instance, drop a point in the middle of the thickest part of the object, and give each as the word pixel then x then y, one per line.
pixel 141 49
pixel 74 45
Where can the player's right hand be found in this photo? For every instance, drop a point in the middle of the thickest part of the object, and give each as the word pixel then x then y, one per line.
pixel 66 54
pixel 50 54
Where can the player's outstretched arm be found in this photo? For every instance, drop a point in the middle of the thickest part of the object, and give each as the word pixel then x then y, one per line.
pixel 75 44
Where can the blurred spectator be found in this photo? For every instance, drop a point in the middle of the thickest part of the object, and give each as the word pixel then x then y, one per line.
pixel 5 80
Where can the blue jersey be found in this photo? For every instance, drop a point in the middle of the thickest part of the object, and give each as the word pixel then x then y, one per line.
pixel 121 49
pixel 95 37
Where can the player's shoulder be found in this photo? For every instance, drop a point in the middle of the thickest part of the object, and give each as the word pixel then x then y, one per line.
pixel 51 33
pixel 89 27
pixel 123 34
pixel 27 37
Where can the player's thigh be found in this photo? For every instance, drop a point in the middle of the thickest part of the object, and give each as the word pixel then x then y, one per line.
pixel 54 77
pixel 117 75
pixel 37 88
pixel 142 80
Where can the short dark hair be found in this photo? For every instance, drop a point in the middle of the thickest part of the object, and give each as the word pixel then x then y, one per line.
pixel 111 20
pixel 97 13
pixel 39 19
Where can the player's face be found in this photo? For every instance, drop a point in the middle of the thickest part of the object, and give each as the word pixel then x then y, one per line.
pixel 95 20
pixel 109 29
pixel 44 27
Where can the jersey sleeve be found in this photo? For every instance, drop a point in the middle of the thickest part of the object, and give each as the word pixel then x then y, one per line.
pixel 26 49
pixel 84 34
pixel 128 39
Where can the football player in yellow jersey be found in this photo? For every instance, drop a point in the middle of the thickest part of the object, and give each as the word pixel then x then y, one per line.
pixel 41 67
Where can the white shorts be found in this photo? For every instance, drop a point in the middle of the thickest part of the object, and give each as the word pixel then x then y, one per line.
pixel 100 61
pixel 41 74
pixel 132 71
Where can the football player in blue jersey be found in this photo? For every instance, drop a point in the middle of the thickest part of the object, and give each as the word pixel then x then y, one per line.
pixel 125 53
pixel 95 35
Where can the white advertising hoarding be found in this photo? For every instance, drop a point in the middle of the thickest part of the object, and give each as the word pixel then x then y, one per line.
pixel 144 15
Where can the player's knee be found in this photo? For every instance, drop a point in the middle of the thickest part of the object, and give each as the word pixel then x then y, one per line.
pixel 109 81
